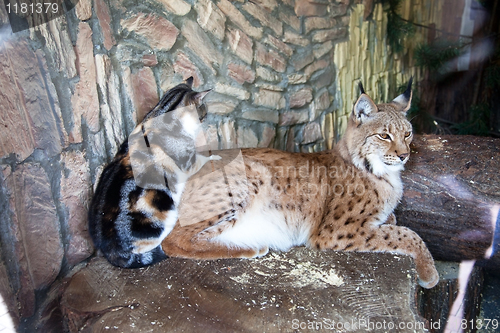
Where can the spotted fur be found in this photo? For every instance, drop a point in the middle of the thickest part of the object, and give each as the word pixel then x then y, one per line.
pixel 339 200
pixel 128 222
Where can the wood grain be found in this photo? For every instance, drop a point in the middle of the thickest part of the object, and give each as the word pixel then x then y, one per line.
pixel 451 188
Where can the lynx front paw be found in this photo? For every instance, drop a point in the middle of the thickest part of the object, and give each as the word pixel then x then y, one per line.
pixel 262 252
pixel 428 276
pixel 215 157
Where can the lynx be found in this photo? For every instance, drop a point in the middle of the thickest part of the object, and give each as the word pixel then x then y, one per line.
pixel 340 200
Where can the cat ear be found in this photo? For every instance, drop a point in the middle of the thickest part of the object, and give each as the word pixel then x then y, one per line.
pixel 403 101
pixel 363 107
pixel 199 96
pixel 189 81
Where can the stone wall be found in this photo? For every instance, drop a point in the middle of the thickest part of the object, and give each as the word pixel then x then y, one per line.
pixel 282 76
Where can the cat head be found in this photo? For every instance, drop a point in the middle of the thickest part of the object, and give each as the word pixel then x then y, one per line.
pixel 167 136
pixel 180 96
pixel 378 136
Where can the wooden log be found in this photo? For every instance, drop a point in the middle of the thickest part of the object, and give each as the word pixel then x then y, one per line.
pixel 300 290
pixel 452 195
pixel 273 294
pixel 439 305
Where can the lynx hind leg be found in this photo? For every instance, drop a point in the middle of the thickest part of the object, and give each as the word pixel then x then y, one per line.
pixel 195 242
pixel 391 239
pixel 217 225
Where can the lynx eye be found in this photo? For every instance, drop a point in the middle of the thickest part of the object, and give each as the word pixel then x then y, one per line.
pixel 384 136
pixel 407 134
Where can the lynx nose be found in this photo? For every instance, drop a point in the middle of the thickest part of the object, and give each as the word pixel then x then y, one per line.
pixel 403 156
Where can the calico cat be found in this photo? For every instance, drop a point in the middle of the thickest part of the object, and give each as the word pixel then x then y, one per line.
pixel 135 203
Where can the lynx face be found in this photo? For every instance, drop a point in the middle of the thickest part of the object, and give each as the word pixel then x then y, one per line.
pixel 388 141
pixel 380 135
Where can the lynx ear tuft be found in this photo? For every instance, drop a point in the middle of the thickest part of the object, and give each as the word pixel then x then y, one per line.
pixel 403 101
pixel 361 89
pixel 363 108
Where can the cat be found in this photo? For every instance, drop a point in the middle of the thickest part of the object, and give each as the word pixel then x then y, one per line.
pixel 341 199
pixel 135 202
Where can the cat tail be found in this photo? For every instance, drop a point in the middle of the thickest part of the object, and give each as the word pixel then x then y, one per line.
pixel 137 260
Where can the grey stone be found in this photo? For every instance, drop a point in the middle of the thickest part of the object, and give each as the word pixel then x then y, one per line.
pixel 267 137
pixel 269 58
pixel 261 115
pixel 301 60
pixel 111 107
pixel 246 138
pixel 264 17
pixel 104 17
pixel 226 89
pixel 237 18
pixel 267 74
pixel 160 33
pixel 200 43
pixel 34 232
pixel 312 133
pixel 269 98
pixel 293 117
pixel 210 18
pixel 177 7
pixel 85 100
pixel 322 36
pixel 300 98
pixel 75 197
pixel 322 49
pixel 30 115
pixel 240 44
